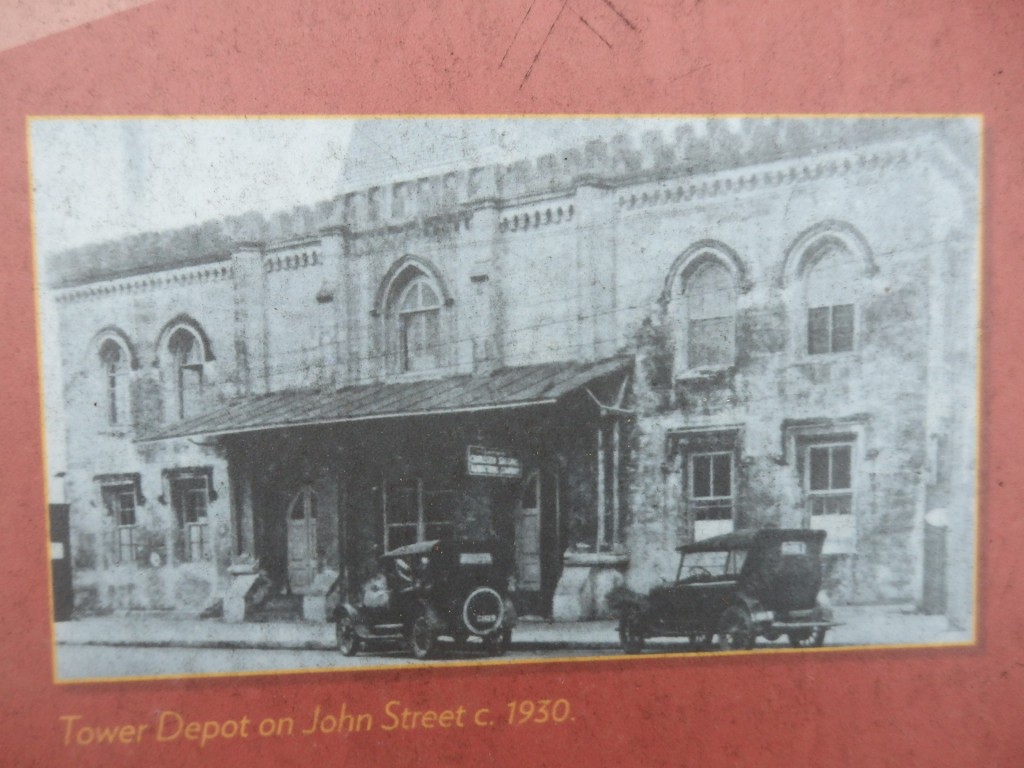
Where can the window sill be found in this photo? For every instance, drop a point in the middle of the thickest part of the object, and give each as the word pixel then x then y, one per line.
pixel 596 559
pixel 809 357
pixel 707 372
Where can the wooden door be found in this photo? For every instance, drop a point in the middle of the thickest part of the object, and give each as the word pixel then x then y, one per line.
pixel 301 516
pixel 528 557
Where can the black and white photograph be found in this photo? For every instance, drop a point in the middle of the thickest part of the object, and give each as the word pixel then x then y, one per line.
pixel 378 392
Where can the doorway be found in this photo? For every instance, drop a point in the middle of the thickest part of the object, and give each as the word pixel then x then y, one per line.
pixel 538 536
pixel 527 549
pixel 302 540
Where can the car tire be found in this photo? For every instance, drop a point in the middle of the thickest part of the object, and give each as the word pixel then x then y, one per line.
pixel 422 638
pixel 812 638
pixel 631 631
pixel 347 638
pixel 498 643
pixel 735 630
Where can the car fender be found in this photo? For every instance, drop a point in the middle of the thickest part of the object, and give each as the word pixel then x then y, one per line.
pixel 347 609
pixel 435 619
pixel 622 600
pixel 750 604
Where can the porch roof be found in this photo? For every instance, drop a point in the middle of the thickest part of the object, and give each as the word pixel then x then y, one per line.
pixel 505 388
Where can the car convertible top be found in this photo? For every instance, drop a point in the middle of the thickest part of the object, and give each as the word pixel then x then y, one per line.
pixel 747 537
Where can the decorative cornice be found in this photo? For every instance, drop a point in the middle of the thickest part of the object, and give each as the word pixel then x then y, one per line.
pixel 778 174
pixel 142 283
pixel 282 261
pixel 539 217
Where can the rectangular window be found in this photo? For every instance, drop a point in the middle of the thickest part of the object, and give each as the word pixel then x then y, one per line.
pixel 413 513
pixel 711 494
pixel 829 488
pixel 190 390
pixel 710 342
pixel 830 329
pixel 117 397
pixel 120 501
pixel 420 335
pixel 190 499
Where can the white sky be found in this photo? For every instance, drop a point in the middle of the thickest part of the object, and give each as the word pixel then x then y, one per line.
pixel 96 180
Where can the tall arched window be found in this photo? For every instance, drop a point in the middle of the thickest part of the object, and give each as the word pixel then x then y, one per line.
pixel 826 274
pixel 115 365
pixel 187 356
pixel 418 311
pixel 830 284
pixel 709 296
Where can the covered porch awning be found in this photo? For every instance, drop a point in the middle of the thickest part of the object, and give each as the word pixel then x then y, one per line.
pixel 524 386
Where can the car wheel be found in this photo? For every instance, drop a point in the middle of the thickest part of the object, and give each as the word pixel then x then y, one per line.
pixel 735 630
pixel 498 643
pixel 422 638
pixel 631 631
pixel 808 638
pixel 348 639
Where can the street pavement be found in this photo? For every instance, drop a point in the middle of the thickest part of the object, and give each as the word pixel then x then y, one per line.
pixel 134 646
pixel 105 661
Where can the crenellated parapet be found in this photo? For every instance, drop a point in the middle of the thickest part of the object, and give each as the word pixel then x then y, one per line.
pixel 875 158
pixel 671 164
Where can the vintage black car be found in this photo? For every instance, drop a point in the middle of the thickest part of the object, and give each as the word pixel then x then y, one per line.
pixel 429 590
pixel 736 587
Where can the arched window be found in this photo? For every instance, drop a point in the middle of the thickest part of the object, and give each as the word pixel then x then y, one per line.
pixel 826 276
pixel 709 312
pixel 830 283
pixel 418 312
pixel 115 365
pixel 187 356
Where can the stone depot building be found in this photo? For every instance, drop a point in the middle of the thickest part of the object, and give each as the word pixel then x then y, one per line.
pixel 592 356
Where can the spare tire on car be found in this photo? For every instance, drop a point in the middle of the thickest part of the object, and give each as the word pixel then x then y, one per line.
pixel 483 611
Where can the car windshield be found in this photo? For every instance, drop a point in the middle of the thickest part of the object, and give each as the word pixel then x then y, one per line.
pixel 703 565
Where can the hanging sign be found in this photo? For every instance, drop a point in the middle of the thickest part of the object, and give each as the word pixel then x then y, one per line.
pixel 488 462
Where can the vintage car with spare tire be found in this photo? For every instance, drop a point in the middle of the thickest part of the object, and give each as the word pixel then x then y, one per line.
pixel 731 589
pixel 428 591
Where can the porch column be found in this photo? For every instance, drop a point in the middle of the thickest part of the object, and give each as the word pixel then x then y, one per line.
pixel 600 488
pixel 616 451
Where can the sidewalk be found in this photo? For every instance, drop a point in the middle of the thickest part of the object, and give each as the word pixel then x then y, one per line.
pixel 861 625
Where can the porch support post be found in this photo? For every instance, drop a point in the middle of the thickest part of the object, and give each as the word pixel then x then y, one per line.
pixel 616 450
pixel 421 522
pixel 600 487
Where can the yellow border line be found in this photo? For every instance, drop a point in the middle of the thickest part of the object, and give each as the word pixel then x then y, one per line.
pixel 41 392
pixel 979 397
